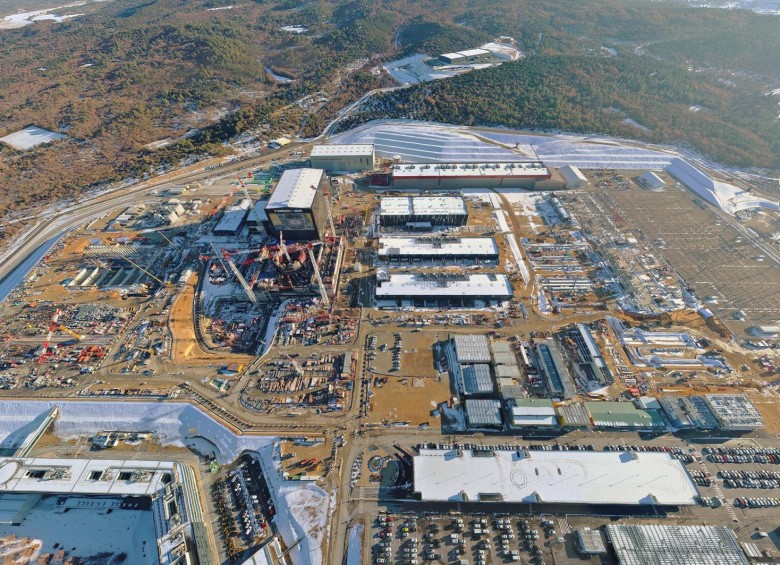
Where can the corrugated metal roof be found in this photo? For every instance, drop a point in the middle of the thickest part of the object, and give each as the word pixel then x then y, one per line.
pixel 476 285
pixel 419 246
pixel 352 150
pixel 477 379
pixel 483 412
pixel 471 348
pixel 296 189
pixel 681 545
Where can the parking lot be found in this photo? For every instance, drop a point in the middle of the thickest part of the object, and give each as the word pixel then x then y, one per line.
pixel 462 539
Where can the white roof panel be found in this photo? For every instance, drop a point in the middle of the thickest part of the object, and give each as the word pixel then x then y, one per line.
pixel 576 477
pixel 530 169
pixel 75 476
pixel 473 52
pixel 296 189
pixel 421 205
pixel 475 285
pixel 352 149
pixel 437 247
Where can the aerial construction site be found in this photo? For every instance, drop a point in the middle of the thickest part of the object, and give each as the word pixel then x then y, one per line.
pixel 295 345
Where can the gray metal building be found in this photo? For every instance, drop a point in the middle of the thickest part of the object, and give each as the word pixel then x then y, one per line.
pixel 343 158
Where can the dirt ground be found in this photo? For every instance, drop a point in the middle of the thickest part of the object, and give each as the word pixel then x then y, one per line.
pixel 400 400
pixel 320 451
pixel 185 348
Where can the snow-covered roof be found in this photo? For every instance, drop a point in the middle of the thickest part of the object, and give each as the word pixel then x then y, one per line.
pixel 456 170
pixel 426 143
pixel 437 247
pixel 296 189
pixel 232 217
pixel 85 476
pixel 467 286
pixel 471 348
pixel 573 477
pixel 352 150
pixel 421 205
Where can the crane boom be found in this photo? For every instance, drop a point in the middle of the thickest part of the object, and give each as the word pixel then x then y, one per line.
pixel 316 267
pixel 247 289
pixel 70 332
pixel 144 270
pixel 295 364
pixel 326 194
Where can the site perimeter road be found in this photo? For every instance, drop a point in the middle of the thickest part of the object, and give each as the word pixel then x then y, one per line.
pixel 51 225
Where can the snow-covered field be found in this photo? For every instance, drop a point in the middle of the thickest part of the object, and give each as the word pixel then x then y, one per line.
pixel 30 137
pixel 173 422
pixel 128 532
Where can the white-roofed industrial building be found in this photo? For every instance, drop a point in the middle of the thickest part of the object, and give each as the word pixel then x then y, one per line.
pixel 440 249
pixel 297 205
pixel 232 221
pixel 345 158
pixel 418 211
pixel 467 56
pixel 572 177
pixel 468 175
pixel 532 413
pixel 673 544
pixel 423 290
pixel 553 477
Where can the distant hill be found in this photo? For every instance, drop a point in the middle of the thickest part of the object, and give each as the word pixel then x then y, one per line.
pixel 128 73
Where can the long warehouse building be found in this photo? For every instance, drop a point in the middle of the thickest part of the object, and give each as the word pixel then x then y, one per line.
pixel 444 290
pixel 343 158
pixel 422 212
pixel 441 249
pixel 552 477
pixel 468 175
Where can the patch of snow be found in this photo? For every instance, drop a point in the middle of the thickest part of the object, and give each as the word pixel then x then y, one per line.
pixel 355 545
pixel 30 137
pixel 632 123
pixel 295 29
pixel 22 19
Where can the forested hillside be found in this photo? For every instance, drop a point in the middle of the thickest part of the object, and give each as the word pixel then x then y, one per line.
pixel 632 97
pixel 132 72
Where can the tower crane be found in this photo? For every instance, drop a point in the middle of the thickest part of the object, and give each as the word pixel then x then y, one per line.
pixel 316 267
pixel 295 364
pixel 163 283
pixel 240 278
pixel 326 194
pixel 55 325
pixel 283 247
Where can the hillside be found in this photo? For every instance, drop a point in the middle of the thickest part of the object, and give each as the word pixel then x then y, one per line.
pixel 123 75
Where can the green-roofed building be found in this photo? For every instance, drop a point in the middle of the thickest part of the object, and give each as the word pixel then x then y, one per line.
pixel 623 415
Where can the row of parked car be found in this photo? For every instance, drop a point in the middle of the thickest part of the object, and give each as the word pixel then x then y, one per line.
pixel 743 502
pixel 741 450
pixel 755 458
